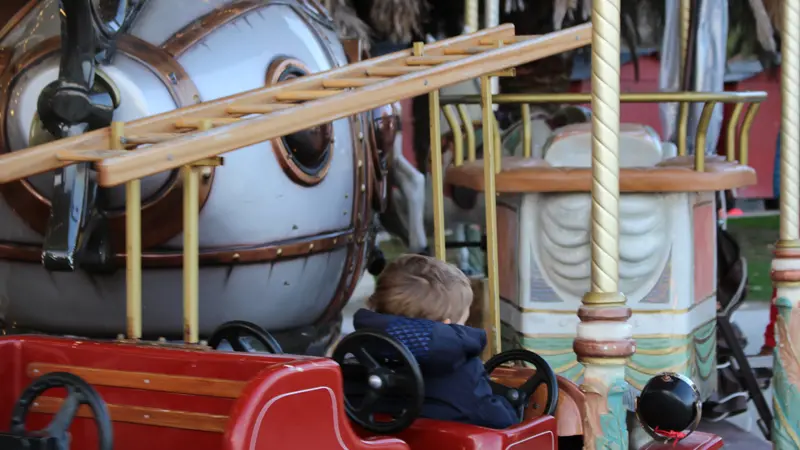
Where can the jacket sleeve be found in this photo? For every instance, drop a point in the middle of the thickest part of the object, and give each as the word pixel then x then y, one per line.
pixel 495 412
pixel 450 347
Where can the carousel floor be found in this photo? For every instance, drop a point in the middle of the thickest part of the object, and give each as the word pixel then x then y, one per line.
pixel 735 438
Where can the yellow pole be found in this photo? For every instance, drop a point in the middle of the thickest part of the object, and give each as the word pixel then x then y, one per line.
pixel 491 212
pixel 744 136
pixel 434 111
pixel 191 249
pixel 730 141
pixel 436 177
pixel 458 137
pixel 526 131
pixel 133 244
pixel 469 130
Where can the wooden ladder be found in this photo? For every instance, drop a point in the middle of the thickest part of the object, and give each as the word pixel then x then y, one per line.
pixel 194 134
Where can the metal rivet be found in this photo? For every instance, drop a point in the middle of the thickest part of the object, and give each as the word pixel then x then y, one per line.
pixel 280 251
pixel 360 136
pixel 335 241
pixel 360 163
pixel 311 246
pixel 236 256
pixel 363 188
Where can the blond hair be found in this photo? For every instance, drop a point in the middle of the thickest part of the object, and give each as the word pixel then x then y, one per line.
pixel 422 287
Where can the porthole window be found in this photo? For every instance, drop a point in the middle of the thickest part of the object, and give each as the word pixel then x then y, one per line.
pixel 305 155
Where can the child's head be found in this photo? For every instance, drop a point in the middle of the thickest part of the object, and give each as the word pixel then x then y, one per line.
pixel 422 287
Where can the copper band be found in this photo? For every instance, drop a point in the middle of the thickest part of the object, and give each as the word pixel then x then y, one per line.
pixel 282 154
pixel 161 214
pixel 198 30
pixel 785 275
pixel 361 192
pixel 12 12
pixel 786 252
pixel 603 349
pixel 217 257
pixel 614 313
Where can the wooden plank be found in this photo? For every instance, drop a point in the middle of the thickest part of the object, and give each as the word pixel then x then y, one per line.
pixel 342 83
pixel 393 71
pixel 197 122
pixel 166 156
pixel 152 138
pixel 141 415
pixel 431 60
pixel 179 384
pixel 257 109
pixel 87 155
pixel 293 96
pixel 42 158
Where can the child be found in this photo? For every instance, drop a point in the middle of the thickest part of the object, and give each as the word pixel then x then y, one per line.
pixel 424 303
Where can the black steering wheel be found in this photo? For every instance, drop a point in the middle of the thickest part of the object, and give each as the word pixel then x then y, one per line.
pixel 237 333
pixel 79 393
pixel 383 387
pixel 520 397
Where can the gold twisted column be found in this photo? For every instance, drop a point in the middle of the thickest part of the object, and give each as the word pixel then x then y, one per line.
pixel 790 113
pixel 471 19
pixel 686 19
pixel 786 265
pixel 604 339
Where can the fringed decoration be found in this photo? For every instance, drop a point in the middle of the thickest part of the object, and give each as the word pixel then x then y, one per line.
pixel 349 25
pixel 398 20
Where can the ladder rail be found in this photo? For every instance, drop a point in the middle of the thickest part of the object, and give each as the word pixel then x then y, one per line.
pixel 249 131
pixel 43 158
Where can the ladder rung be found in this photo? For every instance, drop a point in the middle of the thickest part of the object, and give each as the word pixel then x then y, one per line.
pixel 431 60
pixel 467 50
pixel 257 109
pixel 195 123
pixel 343 83
pixel 513 40
pixel 153 138
pixel 87 155
pixel 293 96
pixel 393 71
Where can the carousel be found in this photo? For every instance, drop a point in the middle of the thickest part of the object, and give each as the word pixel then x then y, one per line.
pixel 111 114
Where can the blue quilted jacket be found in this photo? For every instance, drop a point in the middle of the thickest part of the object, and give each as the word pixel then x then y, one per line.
pixel 456 385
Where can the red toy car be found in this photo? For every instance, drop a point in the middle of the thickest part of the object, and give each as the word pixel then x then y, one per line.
pixel 157 396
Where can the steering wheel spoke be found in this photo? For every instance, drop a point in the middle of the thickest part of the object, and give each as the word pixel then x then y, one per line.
pixel 533 383
pixel 239 334
pixel 391 398
pixel 366 360
pixel 79 392
pixel 66 414
pixel 520 397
